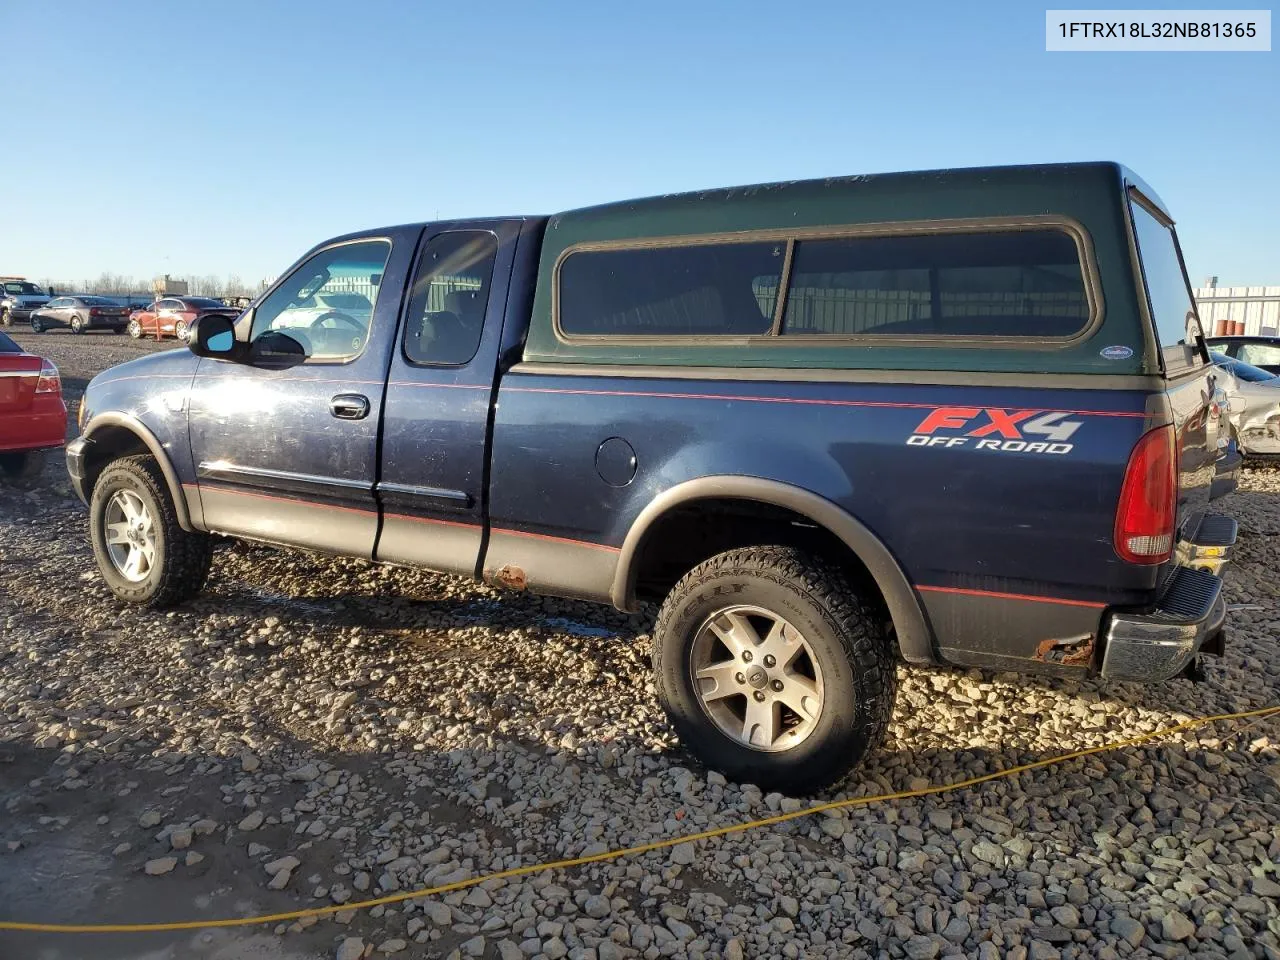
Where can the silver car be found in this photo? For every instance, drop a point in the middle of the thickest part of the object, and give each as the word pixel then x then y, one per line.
pixel 18 298
pixel 1254 406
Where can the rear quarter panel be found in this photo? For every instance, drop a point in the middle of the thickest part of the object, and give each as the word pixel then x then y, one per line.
pixel 1006 548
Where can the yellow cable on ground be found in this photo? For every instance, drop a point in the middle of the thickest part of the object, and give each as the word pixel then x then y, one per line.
pixel 627 851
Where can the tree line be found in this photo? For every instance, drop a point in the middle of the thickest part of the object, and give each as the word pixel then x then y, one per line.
pixel 116 284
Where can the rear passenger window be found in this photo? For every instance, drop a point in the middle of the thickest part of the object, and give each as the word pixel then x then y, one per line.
pixel 693 290
pixel 450 294
pixel 1009 284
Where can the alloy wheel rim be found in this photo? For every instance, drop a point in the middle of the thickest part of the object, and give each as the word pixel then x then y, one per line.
pixel 130 536
pixel 757 678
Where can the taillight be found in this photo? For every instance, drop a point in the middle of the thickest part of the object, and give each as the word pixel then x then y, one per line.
pixel 94 311
pixel 1148 505
pixel 49 381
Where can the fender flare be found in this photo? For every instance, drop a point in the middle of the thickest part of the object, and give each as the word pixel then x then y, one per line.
pixel 910 623
pixel 156 448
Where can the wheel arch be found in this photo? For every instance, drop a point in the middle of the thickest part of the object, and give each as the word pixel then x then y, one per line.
pixel 112 435
pixel 910 622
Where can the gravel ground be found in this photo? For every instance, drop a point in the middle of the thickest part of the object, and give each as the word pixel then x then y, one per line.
pixel 315 731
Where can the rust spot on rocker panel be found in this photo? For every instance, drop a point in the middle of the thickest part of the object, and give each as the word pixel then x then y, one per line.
pixel 511 576
pixel 1067 651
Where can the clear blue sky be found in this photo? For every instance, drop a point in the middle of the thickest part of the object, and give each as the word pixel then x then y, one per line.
pixel 143 138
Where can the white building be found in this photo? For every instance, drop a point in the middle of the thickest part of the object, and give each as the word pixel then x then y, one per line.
pixel 1253 311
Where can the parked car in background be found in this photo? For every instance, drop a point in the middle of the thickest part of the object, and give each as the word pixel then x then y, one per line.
pixel 174 316
pixel 774 410
pixel 33 417
pixel 79 314
pixel 1253 396
pixel 1261 352
pixel 18 297
pixel 133 301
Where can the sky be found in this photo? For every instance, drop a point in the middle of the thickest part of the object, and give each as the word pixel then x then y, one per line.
pixel 227 138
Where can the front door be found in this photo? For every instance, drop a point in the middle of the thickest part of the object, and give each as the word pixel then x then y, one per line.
pixel 290 456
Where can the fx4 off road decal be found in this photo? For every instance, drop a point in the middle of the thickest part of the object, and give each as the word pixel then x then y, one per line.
pixel 995 429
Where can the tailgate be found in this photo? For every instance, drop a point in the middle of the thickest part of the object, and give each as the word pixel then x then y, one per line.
pixel 18 376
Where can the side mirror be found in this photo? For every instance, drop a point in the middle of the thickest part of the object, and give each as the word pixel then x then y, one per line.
pixel 273 350
pixel 214 337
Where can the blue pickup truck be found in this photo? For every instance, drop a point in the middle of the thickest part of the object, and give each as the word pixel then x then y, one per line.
pixel 957 417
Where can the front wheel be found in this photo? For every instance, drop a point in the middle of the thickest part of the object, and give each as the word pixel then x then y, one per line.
pixel 135 329
pixel 37 325
pixel 23 469
pixel 6 319
pixel 772 668
pixel 142 551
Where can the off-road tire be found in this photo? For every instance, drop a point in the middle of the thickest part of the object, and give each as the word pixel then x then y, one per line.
pixel 849 634
pixel 23 469
pixel 183 558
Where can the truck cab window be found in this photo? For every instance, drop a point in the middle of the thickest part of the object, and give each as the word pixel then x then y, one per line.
pixel 327 303
pixel 449 297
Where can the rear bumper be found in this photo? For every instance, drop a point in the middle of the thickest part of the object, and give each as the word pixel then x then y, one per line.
pixel 1190 617
pixel 40 427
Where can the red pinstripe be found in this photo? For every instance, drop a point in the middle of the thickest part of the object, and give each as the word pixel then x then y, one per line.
pixel 1010 596
pixel 810 401
pixel 401 516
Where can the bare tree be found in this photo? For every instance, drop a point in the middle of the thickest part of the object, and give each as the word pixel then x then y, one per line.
pixel 235 287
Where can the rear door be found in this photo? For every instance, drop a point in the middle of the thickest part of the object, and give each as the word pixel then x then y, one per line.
pixel 1194 387
pixel 435 446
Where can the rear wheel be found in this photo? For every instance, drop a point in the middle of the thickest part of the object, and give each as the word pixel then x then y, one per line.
pixel 37 325
pixel 77 324
pixel 142 551
pixel 23 469
pixel 182 331
pixel 773 670
pixel 135 329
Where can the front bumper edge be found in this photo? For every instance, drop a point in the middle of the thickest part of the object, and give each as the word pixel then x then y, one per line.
pixel 76 467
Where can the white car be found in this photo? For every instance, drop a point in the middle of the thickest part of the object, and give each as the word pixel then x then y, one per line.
pixel 320 305
pixel 1254 406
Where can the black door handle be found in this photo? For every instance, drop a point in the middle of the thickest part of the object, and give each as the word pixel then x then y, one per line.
pixel 349 406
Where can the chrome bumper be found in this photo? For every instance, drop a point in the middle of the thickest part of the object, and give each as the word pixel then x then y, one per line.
pixel 1189 618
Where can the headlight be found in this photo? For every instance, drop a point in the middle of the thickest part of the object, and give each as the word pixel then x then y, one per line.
pixel 80 416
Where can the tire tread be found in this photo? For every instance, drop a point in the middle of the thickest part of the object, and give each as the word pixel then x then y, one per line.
pixel 854 620
pixel 187 557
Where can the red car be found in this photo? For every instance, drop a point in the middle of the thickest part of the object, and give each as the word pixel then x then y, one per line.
pixel 174 316
pixel 33 418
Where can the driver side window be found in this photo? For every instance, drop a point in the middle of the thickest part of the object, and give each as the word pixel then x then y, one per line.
pixel 327 304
